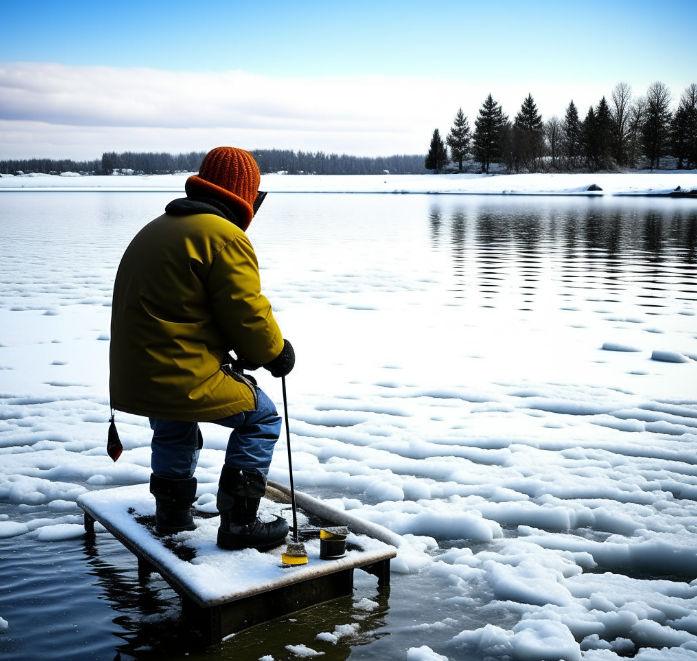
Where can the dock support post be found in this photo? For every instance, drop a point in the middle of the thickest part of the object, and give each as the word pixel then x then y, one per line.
pixel 207 620
pixel 144 568
pixel 380 569
pixel 89 524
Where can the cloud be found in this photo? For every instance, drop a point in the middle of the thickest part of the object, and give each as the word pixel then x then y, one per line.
pixel 48 107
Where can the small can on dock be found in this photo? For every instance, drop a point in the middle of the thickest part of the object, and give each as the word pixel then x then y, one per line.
pixel 332 542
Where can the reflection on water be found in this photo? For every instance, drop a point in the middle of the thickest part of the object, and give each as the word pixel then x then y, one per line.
pixel 611 250
pixel 84 599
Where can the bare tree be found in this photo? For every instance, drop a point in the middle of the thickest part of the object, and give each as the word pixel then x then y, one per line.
pixel 553 133
pixel 635 122
pixel 620 102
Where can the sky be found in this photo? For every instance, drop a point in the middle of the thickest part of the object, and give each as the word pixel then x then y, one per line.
pixel 369 78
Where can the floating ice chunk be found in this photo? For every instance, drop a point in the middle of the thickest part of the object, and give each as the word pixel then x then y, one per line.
pixel 540 640
pixel 617 346
pixel 529 583
pixel 12 529
pixel 665 356
pixel 4 624
pixel 623 646
pixel 60 532
pixel 489 640
pixel 340 631
pixel 384 491
pixel 100 480
pixel 424 653
pixel 653 634
pixel 62 505
pixel 266 657
pixel 595 642
pixel 366 604
pixel 303 651
pixel 687 623
pixel 416 490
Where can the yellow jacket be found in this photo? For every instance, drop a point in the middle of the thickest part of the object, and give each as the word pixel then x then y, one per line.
pixel 187 291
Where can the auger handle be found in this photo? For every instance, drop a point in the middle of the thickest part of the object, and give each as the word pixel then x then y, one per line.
pixel 290 461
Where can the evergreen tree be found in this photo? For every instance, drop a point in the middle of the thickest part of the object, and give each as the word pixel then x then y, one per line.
pixel 684 128
pixel 678 134
pixel 437 157
pixel 528 134
pixel 604 128
pixel 571 136
pixel 656 128
pixel 459 139
pixel 589 140
pixel 488 124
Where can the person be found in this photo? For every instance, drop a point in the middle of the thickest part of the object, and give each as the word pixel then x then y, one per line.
pixel 187 292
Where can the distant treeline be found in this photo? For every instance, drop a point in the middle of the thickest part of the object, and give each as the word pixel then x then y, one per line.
pixel 624 132
pixel 269 160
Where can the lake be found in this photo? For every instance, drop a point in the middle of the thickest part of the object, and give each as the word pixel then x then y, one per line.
pixel 476 373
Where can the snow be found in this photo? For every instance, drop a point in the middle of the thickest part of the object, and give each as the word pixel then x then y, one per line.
pixel 424 653
pixel 536 471
pixel 303 651
pixel 60 532
pixel 666 356
pixel 630 183
pixel 340 631
pixel 213 574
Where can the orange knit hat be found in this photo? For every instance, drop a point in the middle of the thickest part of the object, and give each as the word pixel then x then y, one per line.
pixel 231 175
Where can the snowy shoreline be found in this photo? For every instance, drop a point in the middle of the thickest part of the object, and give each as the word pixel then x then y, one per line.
pixel 635 183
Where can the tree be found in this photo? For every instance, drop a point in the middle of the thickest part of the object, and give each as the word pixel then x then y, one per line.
pixel 437 157
pixel 684 128
pixel 459 139
pixel 620 102
pixel 589 140
pixel 528 134
pixel 488 124
pixel 635 124
pixel 604 138
pixel 571 135
pixel 553 133
pixel 656 126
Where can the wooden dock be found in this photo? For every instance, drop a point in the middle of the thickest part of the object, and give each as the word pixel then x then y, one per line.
pixel 224 592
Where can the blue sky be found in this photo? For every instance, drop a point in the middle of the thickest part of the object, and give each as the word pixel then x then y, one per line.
pixel 500 40
pixel 555 50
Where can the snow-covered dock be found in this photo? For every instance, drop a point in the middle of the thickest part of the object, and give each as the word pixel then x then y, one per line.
pixel 227 591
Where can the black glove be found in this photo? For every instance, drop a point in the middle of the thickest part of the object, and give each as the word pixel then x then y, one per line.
pixel 282 364
pixel 241 364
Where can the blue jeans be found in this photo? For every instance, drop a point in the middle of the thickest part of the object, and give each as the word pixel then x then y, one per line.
pixel 176 444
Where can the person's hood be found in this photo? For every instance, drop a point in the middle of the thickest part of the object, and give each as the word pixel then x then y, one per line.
pixel 188 206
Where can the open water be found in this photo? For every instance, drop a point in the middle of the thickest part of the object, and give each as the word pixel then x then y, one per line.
pixel 82 599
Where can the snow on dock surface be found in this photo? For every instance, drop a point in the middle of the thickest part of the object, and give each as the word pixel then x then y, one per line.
pixel 634 183
pixel 480 376
pixel 215 576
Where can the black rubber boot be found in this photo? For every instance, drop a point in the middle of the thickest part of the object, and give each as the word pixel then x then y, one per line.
pixel 239 493
pixel 173 500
